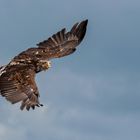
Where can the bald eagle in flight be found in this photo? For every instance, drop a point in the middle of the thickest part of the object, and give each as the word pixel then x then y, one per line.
pixel 17 79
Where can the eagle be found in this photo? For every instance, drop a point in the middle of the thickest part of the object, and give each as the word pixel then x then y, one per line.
pixel 17 78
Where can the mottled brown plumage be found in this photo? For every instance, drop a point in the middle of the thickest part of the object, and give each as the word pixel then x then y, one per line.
pixel 17 79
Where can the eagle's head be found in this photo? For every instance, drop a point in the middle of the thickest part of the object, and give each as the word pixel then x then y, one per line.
pixel 43 65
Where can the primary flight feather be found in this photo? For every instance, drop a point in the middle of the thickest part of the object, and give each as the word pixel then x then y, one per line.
pixel 17 79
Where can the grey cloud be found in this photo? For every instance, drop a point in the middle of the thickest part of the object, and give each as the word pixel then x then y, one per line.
pixel 84 119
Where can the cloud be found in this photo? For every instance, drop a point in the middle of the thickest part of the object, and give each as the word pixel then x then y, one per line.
pixel 7 132
pixel 86 107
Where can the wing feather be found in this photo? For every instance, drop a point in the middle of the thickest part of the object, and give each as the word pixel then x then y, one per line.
pixel 60 42
pixel 20 85
pixel 58 45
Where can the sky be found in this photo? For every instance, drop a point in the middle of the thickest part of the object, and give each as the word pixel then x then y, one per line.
pixel 91 94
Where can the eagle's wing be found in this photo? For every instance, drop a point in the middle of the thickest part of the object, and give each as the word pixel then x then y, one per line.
pixel 60 44
pixel 64 43
pixel 17 83
pixel 17 79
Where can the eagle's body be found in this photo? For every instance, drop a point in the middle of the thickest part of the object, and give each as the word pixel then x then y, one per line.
pixel 17 79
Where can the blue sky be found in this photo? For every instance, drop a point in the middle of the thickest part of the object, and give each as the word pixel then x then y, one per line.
pixel 92 94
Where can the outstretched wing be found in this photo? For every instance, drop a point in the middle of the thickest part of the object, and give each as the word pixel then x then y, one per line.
pixel 17 79
pixel 64 43
pixel 60 44
pixel 17 83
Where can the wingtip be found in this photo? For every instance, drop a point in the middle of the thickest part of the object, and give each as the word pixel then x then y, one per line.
pixel 86 20
pixel 80 30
